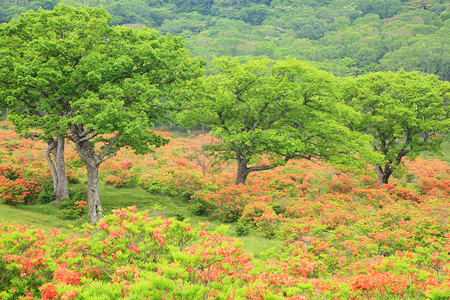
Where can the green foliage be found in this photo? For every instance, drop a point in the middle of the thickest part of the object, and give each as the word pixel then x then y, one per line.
pixel 107 79
pixel 45 196
pixel 386 34
pixel 242 229
pixel 283 110
pixel 75 207
pixel 405 112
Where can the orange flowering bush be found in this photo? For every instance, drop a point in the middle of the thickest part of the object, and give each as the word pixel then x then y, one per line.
pixel 343 236
pixel 24 172
pixel 18 191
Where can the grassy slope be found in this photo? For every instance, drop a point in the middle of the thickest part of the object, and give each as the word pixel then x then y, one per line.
pixel 46 216
pixel 35 219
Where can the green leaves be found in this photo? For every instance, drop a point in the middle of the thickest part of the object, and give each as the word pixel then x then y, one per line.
pixel 405 112
pixel 67 66
pixel 282 110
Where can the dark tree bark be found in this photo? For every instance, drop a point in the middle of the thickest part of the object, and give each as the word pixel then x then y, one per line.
pixel 242 172
pixel 384 174
pixel 57 167
pixel 243 169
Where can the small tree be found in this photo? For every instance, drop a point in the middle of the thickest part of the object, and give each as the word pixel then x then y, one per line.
pixel 101 86
pixel 282 110
pixel 405 112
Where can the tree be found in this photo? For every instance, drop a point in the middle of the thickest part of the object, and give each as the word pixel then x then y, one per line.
pixel 429 54
pixel 405 112
pixel 21 97
pixel 281 110
pixel 100 86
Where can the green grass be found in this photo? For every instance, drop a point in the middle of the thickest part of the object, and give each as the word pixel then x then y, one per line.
pixel 36 216
pixel 446 151
pixel 48 216
pixel 175 207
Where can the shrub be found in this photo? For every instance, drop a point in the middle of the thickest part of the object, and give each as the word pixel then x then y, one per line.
pixel 242 229
pixel 18 191
pixel 75 207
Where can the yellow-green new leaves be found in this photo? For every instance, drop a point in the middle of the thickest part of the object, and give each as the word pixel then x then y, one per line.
pixel 283 110
pixel 69 73
pixel 405 112
pixel 68 66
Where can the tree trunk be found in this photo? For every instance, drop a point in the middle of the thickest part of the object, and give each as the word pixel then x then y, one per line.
pixel 58 167
pixel 92 162
pixel 242 172
pixel 95 208
pixel 383 175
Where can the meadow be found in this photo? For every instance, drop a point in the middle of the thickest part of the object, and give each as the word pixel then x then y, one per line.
pixel 176 226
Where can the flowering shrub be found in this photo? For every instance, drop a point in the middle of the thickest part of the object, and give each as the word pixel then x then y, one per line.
pixel 18 191
pixel 262 217
pixel 343 236
pixel 75 207
pixel 24 172
pixel 129 254
pixel 120 173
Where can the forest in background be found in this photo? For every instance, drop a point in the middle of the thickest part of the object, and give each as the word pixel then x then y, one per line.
pixel 66 74
pixel 345 37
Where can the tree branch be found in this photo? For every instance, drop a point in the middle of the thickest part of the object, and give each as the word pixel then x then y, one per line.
pixel 109 146
pixel 90 137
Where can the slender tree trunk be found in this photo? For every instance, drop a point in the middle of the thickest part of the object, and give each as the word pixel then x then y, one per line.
pixel 48 156
pixel 58 167
pixel 95 208
pixel 62 189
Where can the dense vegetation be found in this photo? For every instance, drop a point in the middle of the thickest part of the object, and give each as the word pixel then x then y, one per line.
pixel 343 235
pixel 342 36
pixel 358 212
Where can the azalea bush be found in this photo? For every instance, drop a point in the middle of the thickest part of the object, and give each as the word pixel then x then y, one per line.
pixel 75 207
pixel 129 254
pixel 24 172
pixel 342 234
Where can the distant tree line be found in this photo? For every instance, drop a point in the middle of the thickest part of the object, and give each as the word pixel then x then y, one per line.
pixel 340 36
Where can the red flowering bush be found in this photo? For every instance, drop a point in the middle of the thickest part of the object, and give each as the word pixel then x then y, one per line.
pixel 18 191
pixel 24 172
pixel 75 207
pixel 261 216
pixel 129 254
pixel 120 173
pixel 227 203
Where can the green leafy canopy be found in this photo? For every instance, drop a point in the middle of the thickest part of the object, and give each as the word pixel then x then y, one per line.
pixel 284 109
pixel 68 66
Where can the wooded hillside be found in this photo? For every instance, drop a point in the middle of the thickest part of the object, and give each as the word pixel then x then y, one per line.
pixel 346 37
